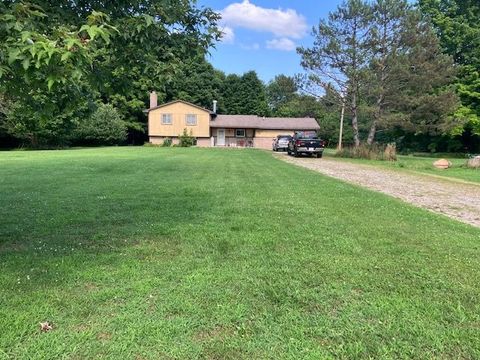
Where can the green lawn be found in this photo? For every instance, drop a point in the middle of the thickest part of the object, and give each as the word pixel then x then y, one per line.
pixel 148 253
pixel 424 165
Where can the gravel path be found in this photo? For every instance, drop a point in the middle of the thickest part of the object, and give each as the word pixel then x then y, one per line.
pixel 460 201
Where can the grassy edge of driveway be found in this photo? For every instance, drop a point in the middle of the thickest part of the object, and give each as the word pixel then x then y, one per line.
pixel 420 166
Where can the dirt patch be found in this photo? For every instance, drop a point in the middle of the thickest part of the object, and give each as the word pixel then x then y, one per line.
pixel 104 336
pixel 456 200
pixel 217 333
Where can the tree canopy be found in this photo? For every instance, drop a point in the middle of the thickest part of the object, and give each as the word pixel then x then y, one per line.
pixel 456 23
pixel 405 73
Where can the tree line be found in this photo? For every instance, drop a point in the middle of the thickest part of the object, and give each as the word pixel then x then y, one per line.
pixel 75 73
pixel 384 62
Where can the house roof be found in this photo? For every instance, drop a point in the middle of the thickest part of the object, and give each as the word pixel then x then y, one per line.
pixel 251 121
pixel 269 123
pixel 179 101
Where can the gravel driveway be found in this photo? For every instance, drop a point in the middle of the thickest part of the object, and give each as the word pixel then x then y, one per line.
pixel 460 201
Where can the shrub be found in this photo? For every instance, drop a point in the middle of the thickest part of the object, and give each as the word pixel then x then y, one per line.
pixel 474 162
pixel 369 152
pixel 167 142
pixel 390 152
pixel 104 127
pixel 186 139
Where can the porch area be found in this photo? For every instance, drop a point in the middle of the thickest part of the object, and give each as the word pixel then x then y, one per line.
pixel 233 137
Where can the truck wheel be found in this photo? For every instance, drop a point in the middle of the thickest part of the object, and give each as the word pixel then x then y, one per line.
pixel 319 155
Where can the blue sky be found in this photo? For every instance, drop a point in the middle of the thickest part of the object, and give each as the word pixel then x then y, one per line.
pixel 261 35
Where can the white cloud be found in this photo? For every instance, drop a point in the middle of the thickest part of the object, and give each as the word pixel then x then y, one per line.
pixel 282 23
pixel 283 44
pixel 228 35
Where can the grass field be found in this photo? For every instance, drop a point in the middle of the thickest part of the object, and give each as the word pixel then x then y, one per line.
pixel 423 165
pixel 149 253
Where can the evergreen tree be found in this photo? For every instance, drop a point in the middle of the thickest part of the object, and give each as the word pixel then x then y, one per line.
pixel 339 54
pixel 409 74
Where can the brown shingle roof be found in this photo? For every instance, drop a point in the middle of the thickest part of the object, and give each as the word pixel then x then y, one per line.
pixel 256 122
pixel 177 101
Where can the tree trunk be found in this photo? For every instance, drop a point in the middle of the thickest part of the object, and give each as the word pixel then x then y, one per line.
pixel 356 136
pixel 372 132
pixel 376 117
pixel 342 115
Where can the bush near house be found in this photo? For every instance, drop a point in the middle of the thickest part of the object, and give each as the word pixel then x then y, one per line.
pixel 186 139
pixel 167 142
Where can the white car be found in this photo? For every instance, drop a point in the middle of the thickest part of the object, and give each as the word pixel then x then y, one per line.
pixel 280 143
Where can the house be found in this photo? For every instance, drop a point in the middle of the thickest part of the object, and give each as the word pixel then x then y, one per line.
pixel 211 129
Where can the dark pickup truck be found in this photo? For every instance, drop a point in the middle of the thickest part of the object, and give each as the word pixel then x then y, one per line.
pixel 306 142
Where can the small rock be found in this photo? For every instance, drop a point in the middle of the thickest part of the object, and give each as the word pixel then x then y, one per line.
pixel 474 162
pixel 442 164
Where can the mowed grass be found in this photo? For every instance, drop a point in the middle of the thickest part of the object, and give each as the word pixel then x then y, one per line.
pixel 423 165
pixel 150 253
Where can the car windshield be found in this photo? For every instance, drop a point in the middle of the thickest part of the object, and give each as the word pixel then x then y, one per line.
pixel 286 137
pixel 307 135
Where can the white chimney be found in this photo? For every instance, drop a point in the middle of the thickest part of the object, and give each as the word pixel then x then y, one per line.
pixel 214 106
pixel 153 100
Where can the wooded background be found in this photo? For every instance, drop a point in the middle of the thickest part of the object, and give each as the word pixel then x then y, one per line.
pixel 79 73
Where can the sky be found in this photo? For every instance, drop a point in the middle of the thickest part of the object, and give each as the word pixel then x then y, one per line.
pixel 262 35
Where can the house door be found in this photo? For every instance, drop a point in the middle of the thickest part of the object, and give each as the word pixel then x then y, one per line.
pixel 220 137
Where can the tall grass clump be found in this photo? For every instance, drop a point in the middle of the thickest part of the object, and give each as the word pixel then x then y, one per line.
pixel 369 152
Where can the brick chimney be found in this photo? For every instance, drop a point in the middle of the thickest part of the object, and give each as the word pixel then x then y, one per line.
pixel 153 100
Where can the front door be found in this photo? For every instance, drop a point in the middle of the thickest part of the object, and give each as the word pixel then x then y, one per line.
pixel 220 137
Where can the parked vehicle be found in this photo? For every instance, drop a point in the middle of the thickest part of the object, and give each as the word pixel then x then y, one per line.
pixel 306 142
pixel 280 143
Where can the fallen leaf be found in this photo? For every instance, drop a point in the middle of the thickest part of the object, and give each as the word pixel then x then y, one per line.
pixel 45 326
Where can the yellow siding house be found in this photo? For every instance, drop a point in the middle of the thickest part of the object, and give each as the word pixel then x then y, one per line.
pixel 211 129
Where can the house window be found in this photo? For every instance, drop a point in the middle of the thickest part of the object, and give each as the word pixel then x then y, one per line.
pixel 166 119
pixel 191 119
pixel 240 133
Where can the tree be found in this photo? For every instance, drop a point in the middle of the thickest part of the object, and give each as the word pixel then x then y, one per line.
pixel 43 69
pixel 104 127
pixel 121 49
pixel 196 81
pixel 339 55
pixel 385 43
pixel 281 91
pixel 408 72
pixel 244 94
pixel 456 22
pixel 426 101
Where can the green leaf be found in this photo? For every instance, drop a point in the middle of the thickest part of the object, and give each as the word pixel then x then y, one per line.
pixel 26 63
pixel 66 56
pixel 13 56
pixel 93 31
pixel 50 83
pixel 3 70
